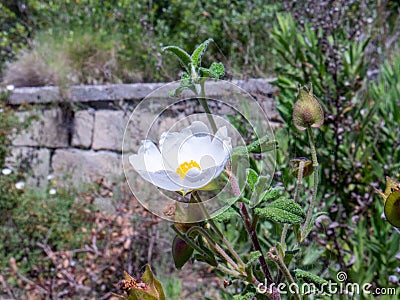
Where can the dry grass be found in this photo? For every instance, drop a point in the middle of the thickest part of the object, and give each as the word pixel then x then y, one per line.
pixel 81 58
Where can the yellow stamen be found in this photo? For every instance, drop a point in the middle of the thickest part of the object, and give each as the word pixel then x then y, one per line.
pixel 185 167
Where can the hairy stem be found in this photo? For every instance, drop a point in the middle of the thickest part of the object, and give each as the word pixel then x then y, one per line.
pixel 315 187
pixel 287 275
pixel 220 234
pixel 203 102
pixel 295 199
pixel 250 228
pixel 213 245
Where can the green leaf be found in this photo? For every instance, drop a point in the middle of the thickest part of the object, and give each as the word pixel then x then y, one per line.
pixel 309 277
pixel 217 70
pixel 226 215
pixel 181 252
pixel 297 232
pixel 199 52
pixel 273 193
pixel 186 83
pixel 252 178
pixel 258 146
pixel 151 289
pixel 254 255
pixel 204 72
pixel 310 227
pixel 182 55
pixel 289 255
pixel 154 284
pixel 262 145
pixel 282 211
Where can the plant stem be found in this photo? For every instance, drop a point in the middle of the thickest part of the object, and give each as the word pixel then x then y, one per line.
pixel 220 234
pixel 287 275
pixel 203 102
pixel 315 187
pixel 228 271
pixel 251 228
pixel 283 236
pixel 190 242
pixel 215 247
pixel 295 199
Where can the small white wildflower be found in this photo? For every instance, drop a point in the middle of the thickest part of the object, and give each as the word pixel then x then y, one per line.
pixel 52 191
pixel 20 185
pixel 10 87
pixel 186 160
pixel 6 171
pixel 1 110
pixel 50 177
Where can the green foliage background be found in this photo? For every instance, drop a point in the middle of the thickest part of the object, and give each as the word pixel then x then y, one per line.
pixel 347 50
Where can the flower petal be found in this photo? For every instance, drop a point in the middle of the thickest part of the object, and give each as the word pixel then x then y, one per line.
pixel 148 158
pixel 221 146
pixel 162 179
pixel 186 145
pixel 199 180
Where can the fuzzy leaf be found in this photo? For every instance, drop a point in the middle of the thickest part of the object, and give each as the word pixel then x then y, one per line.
pixel 204 72
pixel 258 146
pixel 259 190
pixel 309 277
pixel 226 215
pixel 318 214
pixel 217 70
pixel 254 255
pixel 199 52
pixel 182 55
pixel 252 178
pixel 261 145
pixel 273 193
pixel 282 211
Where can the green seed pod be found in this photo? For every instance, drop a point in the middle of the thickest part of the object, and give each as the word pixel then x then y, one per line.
pixel 307 110
pixel 391 186
pixel 391 198
pixel 295 165
pixel 392 208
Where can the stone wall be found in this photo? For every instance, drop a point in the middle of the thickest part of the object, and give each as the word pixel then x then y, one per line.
pixel 77 132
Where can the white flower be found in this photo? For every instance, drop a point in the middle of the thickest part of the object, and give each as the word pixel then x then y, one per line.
pixel 187 160
pixel 6 171
pixel 20 185
pixel 52 191
pixel 50 177
pixel 10 87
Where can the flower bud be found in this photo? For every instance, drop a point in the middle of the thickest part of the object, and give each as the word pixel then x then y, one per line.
pixel 307 110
